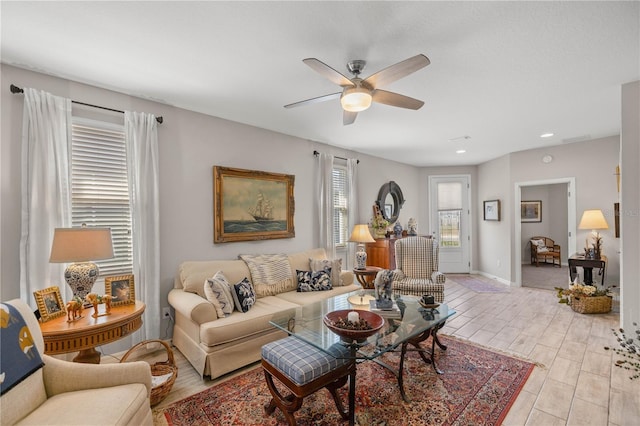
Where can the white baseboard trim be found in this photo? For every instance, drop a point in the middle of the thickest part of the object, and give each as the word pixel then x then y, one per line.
pixel 493 277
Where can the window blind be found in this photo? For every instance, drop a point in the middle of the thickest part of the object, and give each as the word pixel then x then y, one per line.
pixel 99 188
pixel 340 203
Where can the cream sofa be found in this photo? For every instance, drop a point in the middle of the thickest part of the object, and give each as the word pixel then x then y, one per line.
pixel 68 393
pixel 216 346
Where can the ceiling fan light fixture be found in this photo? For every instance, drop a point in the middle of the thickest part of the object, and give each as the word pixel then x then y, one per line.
pixel 356 99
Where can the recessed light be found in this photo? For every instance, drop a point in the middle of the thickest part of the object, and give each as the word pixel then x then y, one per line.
pixel 461 151
pixel 546 135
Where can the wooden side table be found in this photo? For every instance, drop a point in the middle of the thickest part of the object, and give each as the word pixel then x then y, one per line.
pixel 587 265
pixel 86 333
pixel 366 276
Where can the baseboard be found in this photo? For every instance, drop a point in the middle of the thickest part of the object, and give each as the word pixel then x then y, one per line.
pixel 493 277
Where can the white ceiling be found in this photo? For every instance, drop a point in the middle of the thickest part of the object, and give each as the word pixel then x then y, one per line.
pixel 501 73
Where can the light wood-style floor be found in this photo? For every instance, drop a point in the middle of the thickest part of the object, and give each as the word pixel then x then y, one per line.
pixel 575 382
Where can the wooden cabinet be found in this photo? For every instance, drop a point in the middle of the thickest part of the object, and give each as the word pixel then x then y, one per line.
pixel 382 253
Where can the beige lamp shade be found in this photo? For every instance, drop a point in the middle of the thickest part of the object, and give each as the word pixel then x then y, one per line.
pixel 361 234
pixel 81 245
pixel 593 219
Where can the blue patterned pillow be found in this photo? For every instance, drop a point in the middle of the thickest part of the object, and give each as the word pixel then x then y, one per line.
pixel 314 281
pixel 243 295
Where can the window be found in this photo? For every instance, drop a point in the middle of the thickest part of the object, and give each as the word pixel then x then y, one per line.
pixel 99 188
pixel 340 209
pixel 449 213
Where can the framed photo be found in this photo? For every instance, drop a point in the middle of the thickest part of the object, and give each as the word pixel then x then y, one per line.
pixel 531 211
pixel 50 304
pixel 121 288
pixel 491 210
pixel 388 210
pixel 251 205
pixel 616 212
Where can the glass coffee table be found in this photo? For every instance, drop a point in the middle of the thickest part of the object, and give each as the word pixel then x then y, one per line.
pixel 413 325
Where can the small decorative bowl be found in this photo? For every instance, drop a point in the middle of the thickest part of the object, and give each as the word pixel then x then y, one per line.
pixel 375 321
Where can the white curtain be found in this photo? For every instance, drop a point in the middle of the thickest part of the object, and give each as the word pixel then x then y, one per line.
pixel 46 189
pixel 352 178
pixel 325 201
pixel 142 163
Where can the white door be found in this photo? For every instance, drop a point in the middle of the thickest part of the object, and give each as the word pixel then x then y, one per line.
pixel 449 200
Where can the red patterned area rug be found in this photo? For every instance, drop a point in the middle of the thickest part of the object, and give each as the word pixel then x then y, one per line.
pixel 477 388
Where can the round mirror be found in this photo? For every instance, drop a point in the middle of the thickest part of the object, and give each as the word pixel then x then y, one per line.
pixel 390 201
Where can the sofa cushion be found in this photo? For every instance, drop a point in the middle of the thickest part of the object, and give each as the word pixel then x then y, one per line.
pixel 300 261
pixel 303 299
pixel 270 273
pixel 314 281
pixel 218 291
pixel 193 273
pixel 334 265
pixel 243 295
pixel 238 326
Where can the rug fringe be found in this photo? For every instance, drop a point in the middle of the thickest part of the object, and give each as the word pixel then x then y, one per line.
pixel 492 349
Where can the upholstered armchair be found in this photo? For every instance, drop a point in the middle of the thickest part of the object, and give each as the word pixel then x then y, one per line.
pixel 417 268
pixel 69 393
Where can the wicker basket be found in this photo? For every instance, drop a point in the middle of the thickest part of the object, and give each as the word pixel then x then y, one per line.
pixel 591 305
pixel 166 368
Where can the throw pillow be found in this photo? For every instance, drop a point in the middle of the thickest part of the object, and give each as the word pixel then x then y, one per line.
pixel 217 291
pixel 314 281
pixel 243 295
pixel 270 273
pixel 335 265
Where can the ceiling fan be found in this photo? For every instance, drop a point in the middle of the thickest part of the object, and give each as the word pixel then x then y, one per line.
pixel 357 94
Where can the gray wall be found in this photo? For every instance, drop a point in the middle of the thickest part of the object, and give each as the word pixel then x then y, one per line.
pixel 190 144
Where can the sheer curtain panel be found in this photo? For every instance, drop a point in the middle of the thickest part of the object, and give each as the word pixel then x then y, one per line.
pixel 45 190
pixel 352 179
pixel 325 203
pixel 142 156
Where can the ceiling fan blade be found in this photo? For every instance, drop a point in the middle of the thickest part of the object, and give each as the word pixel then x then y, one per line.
pixel 348 117
pixel 315 100
pixel 396 99
pixel 397 71
pixel 327 72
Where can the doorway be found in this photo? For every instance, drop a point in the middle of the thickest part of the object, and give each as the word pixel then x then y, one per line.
pixel 558 219
pixel 450 224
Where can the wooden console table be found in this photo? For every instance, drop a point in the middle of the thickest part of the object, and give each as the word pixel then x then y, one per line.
pixel 587 265
pixel 84 334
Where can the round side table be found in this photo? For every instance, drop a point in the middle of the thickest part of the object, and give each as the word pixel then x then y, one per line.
pixel 366 276
pixel 84 334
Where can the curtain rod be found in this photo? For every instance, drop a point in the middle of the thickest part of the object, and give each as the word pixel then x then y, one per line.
pixel 15 90
pixel 316 153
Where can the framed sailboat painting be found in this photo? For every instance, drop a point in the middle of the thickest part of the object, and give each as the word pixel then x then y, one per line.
pixel 251 205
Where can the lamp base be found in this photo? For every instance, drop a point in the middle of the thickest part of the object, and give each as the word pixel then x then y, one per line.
pixel 81 277
pixel 361 257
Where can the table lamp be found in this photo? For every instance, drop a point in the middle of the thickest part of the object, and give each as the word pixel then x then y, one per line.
pixel 361 235
pixel 594 220
pixel 81 246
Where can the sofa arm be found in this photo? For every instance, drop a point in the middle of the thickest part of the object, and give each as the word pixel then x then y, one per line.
pixel 63 376
pixel 192 306
pixel 438 277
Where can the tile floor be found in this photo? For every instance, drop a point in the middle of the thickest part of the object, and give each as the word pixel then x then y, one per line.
pixel 576 382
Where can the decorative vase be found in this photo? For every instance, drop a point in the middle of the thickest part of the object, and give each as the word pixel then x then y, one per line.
pixel 397 229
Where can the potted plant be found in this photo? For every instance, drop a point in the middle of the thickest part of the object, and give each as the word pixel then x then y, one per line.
pixel 585 299
pixel 379 226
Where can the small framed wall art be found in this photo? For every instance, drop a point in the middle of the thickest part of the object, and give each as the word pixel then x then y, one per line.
pixel 121 288
pixel 531 211
pixel 50 304
pixel 491 210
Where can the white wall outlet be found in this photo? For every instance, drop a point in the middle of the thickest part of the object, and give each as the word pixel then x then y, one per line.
pixel 166 312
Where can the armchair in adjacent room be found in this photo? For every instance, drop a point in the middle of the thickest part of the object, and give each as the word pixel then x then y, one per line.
pixel 545 249
pixel 417 268
pixel 47 390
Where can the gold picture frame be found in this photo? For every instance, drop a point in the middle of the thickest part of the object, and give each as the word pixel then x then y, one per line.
pixel 531 211
pixel 50 304
pixel 121 288
pixel 252 205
